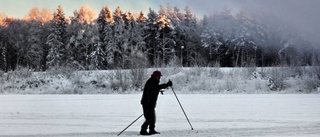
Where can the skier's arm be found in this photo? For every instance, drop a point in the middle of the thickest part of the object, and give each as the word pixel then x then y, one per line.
pixel 165 85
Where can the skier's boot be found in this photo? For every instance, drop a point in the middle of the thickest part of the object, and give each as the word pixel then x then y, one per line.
pixel 152 131
pixel 144 132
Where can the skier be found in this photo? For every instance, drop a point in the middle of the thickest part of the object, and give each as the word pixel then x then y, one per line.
pixel 149 99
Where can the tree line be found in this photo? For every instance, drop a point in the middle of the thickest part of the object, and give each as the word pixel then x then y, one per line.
pixel 168 37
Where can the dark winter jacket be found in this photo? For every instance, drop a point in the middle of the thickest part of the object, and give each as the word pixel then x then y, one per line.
pixel 151 91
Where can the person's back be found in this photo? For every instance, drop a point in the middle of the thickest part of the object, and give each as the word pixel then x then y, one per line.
pixel 151 91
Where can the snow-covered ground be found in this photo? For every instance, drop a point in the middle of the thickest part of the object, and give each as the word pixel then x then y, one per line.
pixel 222 115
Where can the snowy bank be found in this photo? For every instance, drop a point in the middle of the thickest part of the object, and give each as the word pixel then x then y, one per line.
pixel 186 80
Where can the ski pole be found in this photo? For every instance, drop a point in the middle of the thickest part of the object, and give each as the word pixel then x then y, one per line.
pixel 182 107
pixel 129 125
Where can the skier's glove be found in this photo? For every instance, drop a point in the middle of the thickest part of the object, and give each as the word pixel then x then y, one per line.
pixel 169 83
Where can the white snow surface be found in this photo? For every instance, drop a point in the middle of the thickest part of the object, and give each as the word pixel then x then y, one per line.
pixel 211 115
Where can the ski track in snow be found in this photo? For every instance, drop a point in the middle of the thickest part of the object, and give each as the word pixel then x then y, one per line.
pixel 267 115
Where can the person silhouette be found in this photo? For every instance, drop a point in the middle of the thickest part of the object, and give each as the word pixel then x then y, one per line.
pixel 149 100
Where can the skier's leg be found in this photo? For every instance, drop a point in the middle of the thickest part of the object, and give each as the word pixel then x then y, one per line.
pixel 153 123
pixel 148 117
pixel 152 119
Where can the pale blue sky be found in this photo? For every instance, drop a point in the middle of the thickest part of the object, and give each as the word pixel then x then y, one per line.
pixel 20 8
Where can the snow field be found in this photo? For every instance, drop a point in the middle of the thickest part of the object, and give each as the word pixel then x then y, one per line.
pixel 210 115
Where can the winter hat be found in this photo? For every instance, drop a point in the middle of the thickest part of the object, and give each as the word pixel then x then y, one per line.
pixel 156 73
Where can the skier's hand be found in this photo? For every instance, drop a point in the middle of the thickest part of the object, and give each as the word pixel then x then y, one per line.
pixel 169 83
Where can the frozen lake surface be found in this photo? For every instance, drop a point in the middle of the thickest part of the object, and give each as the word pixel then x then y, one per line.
pixel 210 115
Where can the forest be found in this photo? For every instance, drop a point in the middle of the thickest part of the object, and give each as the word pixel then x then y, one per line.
pixel 117 39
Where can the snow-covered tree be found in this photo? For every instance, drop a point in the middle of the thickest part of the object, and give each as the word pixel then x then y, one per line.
pixel 60 24
pixel 3 57
pixel 34 51
pixel 159 40
pixel 45 32
pixel 106 33
pixel 96 52
pixel 56 40
pixel 33 14
pixel 84 45
pixel 118 50
pixel 17 44
pixel 44 15
pixel 104 20
pixel 217 37
pixel 3 50
pixel 76 46
pixel 2 19
pixel 165 36
pixel 244 46
pixel 119 39
pixel 177 23
pixel 54 58
pixel 135 44
pixel 97 55
pixel 105 24
pixel 151 32
pixel 316 58
pixel 191 39
pixel 138 32
pixel 275 35
pixel 85 15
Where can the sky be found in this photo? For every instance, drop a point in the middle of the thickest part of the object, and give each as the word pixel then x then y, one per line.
pixel 20 8
pixel 302 14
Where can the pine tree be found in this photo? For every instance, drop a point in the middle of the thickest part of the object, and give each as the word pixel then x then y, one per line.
pixel 244 46
pixel 45 29
pixel 54 57
pixel 105 22
pixel 57 39
pixel 60 24
pixel 217 36
pixel 160 39
pixel 165 37
pixel 2 19
pixel 84 37
pixel 177 22
pixel 3 51
pixel 77 47
pixel 85 15
pixel 151 32
pixel 120 42
pixel 17 43
pixel 102 22
pixel 138 33
pixel 44 15
pixel 3 56
pixel 97 56
pixel 35 51
pixel 190 39
pixel 96 53
pixel 106 35
pixel 138 46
